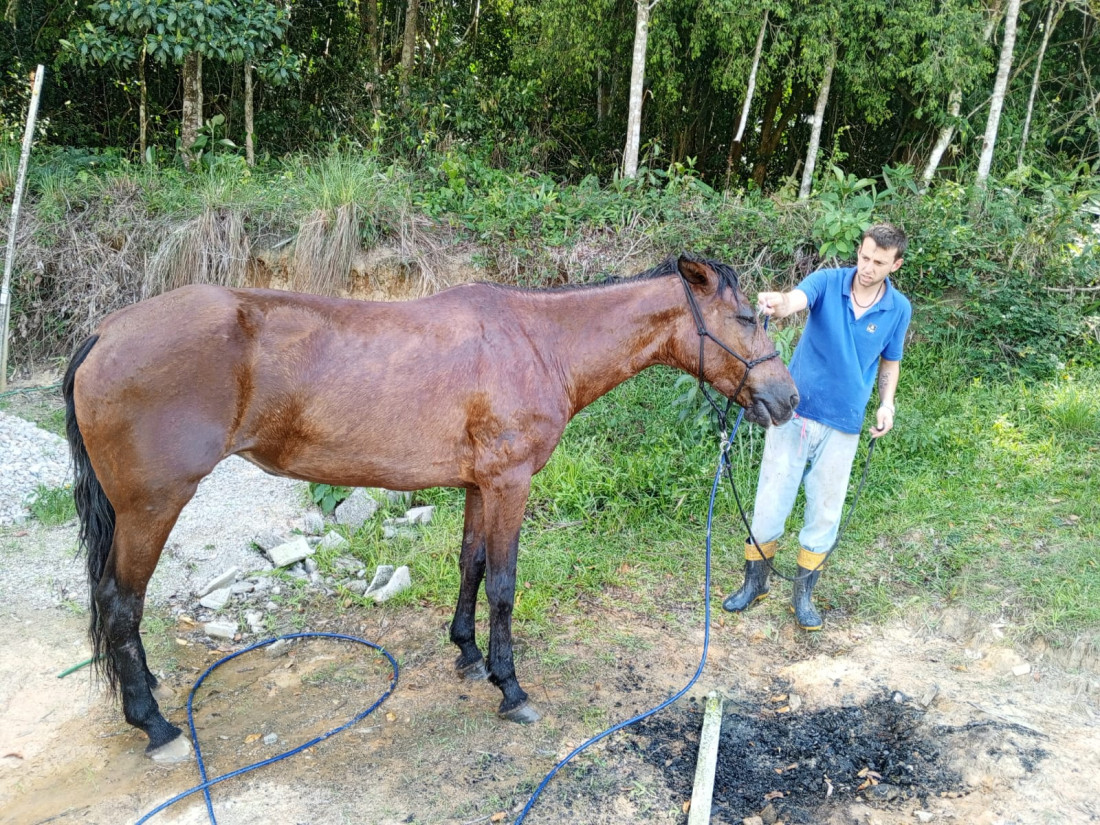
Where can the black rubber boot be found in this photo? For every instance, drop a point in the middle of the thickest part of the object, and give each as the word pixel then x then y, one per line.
pixel 756 578
pixel 804 611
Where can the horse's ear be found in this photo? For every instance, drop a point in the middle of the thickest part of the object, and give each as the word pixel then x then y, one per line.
pixel 695 270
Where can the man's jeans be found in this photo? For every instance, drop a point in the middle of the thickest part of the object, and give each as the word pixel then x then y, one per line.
pixel 800 451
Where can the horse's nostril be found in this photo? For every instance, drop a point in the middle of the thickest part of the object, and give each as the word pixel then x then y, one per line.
pixel 794 400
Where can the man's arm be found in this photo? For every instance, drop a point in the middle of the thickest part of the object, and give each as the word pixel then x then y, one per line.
pixel 888 372
pixel 782 304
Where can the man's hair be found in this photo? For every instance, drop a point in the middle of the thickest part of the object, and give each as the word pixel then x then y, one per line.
pixel 888 236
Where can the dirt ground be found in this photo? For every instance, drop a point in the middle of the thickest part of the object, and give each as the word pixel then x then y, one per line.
pixel 1013 737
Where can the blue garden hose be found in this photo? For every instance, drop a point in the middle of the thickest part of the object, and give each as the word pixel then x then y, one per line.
pixel 723 462
pixel 206 784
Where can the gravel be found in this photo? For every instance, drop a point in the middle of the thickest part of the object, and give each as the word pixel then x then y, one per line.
pixel 234 504
pixel 29 457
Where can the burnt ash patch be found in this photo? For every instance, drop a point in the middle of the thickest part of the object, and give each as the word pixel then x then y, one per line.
pixel 803 764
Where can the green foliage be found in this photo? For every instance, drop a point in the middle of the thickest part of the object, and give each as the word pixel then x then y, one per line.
pixel 846 205
pixel 167 31
pixel 53 505
pixel 327 496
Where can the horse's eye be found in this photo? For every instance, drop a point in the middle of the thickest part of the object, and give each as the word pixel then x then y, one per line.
pixel 747 320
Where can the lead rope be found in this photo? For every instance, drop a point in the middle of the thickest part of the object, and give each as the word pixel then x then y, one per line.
pixel 723 464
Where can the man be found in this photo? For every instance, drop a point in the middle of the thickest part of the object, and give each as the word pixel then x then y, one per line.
pixel 855 330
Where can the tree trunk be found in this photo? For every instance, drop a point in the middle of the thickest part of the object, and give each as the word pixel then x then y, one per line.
pixel 368 21
pixel 601 96
pixel 143 106
pixel 408 52
pixel 954 104
pixel 815 131
pixel 1000 86
pixel 249 149
pixel 1052 21
pixel 637 88
pixel 191 121
pixel 947 133
pixel 734 155
pixel 770 133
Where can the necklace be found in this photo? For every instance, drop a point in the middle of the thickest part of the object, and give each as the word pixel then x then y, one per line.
pixel 873 300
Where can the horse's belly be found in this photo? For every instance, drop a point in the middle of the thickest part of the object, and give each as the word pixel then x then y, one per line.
pixel 351 467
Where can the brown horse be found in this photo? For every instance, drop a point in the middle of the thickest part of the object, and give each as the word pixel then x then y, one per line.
pixel 471 387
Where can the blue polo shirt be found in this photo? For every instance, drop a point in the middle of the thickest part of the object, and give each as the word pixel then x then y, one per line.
pixel 836 361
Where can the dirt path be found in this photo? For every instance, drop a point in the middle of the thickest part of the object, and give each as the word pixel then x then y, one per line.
pixel 1013 741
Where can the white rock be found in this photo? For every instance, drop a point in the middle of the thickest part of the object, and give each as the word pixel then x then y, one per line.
pixel 400 580
pixel 218 582
pixel 221 630
pixel 217 599
pixel 291 552
pixel 420 515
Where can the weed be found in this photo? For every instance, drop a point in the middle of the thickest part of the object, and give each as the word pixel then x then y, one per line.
pixel 53 505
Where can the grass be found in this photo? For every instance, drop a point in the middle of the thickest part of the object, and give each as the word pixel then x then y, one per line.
pixel 53 505
pixel 984 496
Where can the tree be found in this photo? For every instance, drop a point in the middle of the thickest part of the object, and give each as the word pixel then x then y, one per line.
pixel 815 132
pixel 1000 86
pixel 954 57
pixel 408 51
pixel 1054 14
pixel 179 32
pixel 746 106
pixel 637 88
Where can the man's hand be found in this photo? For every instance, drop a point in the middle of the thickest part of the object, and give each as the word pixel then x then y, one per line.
pixel 884 419
pixel 781 304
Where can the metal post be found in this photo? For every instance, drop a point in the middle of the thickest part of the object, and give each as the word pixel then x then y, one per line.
pixel 9 260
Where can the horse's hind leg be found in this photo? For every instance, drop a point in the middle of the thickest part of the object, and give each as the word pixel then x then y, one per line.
pixel 470 663
pixel 120 603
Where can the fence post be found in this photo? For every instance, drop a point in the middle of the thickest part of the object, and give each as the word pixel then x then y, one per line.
pixel 9 259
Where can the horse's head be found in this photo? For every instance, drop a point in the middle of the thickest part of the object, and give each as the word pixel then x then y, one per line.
pixel 738 358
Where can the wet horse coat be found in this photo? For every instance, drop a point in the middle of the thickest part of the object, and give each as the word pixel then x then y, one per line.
pixel 471 387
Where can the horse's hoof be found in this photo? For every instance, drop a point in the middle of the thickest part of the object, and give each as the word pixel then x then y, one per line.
pixel 524 714
pixel 178 750
pixel 474 671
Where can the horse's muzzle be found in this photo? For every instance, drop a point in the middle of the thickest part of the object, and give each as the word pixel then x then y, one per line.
pixel 769 412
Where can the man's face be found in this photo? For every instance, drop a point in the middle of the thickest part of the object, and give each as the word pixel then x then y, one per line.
pixel 874 263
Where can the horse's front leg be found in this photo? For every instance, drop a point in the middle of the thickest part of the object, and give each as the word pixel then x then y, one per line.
pixel 470 663
pixel 503 514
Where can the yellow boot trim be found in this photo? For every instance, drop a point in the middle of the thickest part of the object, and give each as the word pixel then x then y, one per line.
pixel 810 560
pixel 767 548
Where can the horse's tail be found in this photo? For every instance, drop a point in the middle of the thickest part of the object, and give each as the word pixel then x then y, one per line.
pixel 97 516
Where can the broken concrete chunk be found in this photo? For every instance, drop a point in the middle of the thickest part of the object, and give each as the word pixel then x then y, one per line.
pixel 218 582
pixel 333 541
pixel 356 509
pixel 221 630
pixel 382 575
pixel 313 524
pixel 400 580
pixel 217 599
pixel 291 552
pixel 420 515
pixel 267 539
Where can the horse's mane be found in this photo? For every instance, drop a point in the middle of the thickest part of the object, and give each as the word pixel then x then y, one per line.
pixel 727 276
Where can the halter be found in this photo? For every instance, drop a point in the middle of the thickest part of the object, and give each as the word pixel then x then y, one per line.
pixel 701 328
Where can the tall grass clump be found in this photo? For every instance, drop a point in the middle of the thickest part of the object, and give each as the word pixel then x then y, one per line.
pixel 211 248
pixel 350 202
